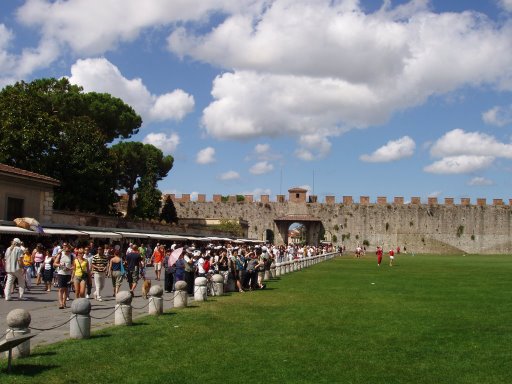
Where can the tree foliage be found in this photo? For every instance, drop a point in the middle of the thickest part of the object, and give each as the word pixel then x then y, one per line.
pixel 52 127
pixel 231 226
pixel 139 167
pixel 169 213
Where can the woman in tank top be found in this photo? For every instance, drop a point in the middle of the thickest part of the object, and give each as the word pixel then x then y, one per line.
pixel 47 270
pixel 80 273
pixel 114 270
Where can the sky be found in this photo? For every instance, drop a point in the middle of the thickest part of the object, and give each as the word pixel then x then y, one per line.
pixel 341 97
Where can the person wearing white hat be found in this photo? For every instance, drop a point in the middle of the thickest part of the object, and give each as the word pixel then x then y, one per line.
pixel 14 268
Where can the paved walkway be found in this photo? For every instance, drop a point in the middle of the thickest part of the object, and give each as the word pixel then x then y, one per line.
pixel 44 311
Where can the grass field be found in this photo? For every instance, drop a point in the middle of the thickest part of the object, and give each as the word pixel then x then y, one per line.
pixel 428 319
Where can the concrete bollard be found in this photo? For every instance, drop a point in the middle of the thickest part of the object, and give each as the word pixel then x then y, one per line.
pixel 231 285
pixel 218 285
pixel 80 324
pixel 18 321
pixel 266 275
pixel 180 294
pixel 200 292
pixel 278 269
pixel 156 301
pixel 123 312
pixel 273 270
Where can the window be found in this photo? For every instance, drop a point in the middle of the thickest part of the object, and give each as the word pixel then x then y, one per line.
pixel 14 208
pixel 297 195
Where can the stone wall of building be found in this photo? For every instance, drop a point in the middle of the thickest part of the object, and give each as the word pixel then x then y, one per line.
pixel 420 227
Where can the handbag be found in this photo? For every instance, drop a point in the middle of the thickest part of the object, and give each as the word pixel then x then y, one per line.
pixel 121 268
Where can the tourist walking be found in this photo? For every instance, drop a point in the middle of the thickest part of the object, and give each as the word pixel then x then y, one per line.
pixel 47 270
pixel 115 270
pixel 170 270
pixel 38 257
pixel 63 263
pixel 81 273
pixel 133 265
pixel 14 269
pixel 156 259
pixel 28 267
pixel 99 264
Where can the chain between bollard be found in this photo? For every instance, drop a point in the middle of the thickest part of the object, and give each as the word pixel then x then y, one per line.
pixel 175 295
pixel 142 306
pixel 1 337
pixel 55 327
pixel 103 317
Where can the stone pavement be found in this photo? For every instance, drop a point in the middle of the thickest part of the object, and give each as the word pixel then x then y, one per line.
pixel 44 311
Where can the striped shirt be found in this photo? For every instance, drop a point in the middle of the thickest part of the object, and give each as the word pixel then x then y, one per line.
pixel 99 263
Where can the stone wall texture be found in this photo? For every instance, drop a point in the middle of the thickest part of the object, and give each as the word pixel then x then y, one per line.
pixel 422 228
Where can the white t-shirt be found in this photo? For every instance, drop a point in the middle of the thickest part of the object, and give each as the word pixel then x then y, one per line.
pixel 200 268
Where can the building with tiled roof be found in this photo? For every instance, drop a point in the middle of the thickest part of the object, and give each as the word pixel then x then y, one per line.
pixel 25 194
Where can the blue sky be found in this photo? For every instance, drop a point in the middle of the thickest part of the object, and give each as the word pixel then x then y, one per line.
pixel 342 97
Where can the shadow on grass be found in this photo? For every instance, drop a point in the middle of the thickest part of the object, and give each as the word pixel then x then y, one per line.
pixel 138 324
pixel 49 353
pixel 168 314
pixel 30 370
pixel 100 336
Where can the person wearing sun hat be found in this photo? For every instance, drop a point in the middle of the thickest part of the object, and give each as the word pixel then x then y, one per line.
pixel 14 269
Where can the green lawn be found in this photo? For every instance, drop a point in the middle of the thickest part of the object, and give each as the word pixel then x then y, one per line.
pixel 428 319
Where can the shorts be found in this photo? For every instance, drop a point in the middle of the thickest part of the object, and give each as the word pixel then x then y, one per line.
pixel 63 281
pixel 117 278
pixel 78 279
pixel 158 266
pixel 132 276
pixel 392 257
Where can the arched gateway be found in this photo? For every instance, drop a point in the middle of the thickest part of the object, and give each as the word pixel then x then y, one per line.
pixel 297 213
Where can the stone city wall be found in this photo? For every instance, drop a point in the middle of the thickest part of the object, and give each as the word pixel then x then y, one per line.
pixel 426 227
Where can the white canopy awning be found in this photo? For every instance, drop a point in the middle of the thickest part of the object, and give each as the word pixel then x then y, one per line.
pixel 102 235
pixel 62 231
pixel 174 237
pixel 133 235
pixel 16 231
pixel 156 236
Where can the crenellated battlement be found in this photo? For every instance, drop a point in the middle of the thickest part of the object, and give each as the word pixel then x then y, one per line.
pixel 331 200
pixel 431 225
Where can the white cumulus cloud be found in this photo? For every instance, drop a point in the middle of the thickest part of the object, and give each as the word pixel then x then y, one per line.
pixel 458 142
pixel 459 164
pixel 91 27
pixel 261 149
pixel 506 5
pixel 172 106
pixel 480 181
pixel 261 168
pixel 280 81
pixel 167 144
pixel 392 151
pixel 498 115
pixel 206 156
pixel 100 75
pixel 230 175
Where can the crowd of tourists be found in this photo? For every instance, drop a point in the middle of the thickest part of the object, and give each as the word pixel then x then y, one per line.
pixel 81 270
